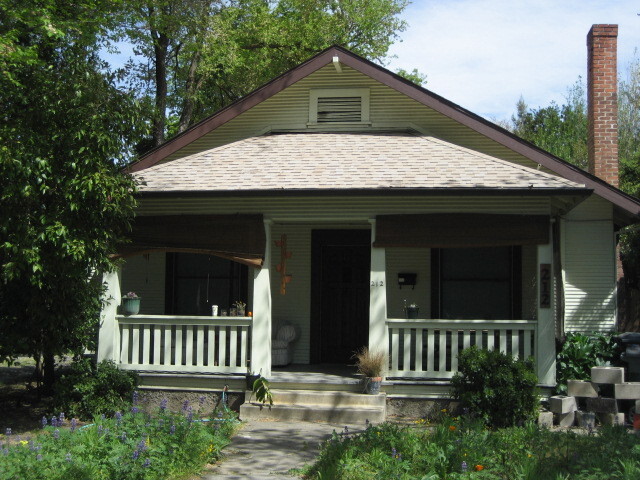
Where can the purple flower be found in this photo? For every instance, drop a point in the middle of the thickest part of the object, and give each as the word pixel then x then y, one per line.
pixel 74 424
pixel 7 432
pixel 201 400
pixel 5 451
pixel 163 404
pixel 464 466
pixel 147 463
pixel 135 397
pixel 56 434
pixel 54 421
pixel 135 409
pixel 142 446
pixel 68 457
pixel 39 457
pixel 61 417
pixel 123 437
pixel 102 416
pixel 172 430
pixel 100 430
pixel 135 454
pixel 185 405
pixel 118 416
pixel 190 415
pixel 44 422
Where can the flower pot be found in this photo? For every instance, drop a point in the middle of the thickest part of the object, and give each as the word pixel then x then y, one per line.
pixel 372 385
pixel 241 311
pixel 130 306
pixel 412 312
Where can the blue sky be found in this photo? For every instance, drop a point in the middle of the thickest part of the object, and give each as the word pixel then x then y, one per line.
pixel 484 54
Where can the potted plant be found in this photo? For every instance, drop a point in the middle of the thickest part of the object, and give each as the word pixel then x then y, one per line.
pixel 131 304
pixel 411 310
pixel 240 307
pixel 372 365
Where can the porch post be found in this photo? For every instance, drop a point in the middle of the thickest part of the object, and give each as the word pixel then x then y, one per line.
pixel 378 337
pixel 109 333
pixel 261 328
pixel 545 333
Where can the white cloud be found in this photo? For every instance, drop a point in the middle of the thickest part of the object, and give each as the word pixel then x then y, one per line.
pixel 484 54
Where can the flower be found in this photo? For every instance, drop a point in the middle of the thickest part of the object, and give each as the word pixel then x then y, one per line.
pixel 7 432
pixel 135 409
pixel 68 457
pixel 452 428
pixel 131 295
pixel 163 404
pixel 56 434
pixel 44 422
pixel 39 457
pixel 464 466
pixel 479 467
pixel 239 304
pixel 74 424
pixel 147 463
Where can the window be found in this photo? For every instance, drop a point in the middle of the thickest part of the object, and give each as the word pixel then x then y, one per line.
pixel 195 282
pixel 476 283
pixel 333 105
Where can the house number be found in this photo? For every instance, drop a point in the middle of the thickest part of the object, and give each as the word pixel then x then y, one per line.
pixel 377 283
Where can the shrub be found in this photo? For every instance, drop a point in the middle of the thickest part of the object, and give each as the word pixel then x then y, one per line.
pixel 579 352
pixel 87 390
pixel 496 387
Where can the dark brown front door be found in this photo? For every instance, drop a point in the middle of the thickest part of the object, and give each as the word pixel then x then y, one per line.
pixel 340 294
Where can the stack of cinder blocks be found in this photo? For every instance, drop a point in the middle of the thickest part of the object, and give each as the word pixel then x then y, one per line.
pixel 584 400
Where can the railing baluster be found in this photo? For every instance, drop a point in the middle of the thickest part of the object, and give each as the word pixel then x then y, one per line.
pixel 135 347
pixel 503 341
pixel 395 349
pixel 527 343
pixel 406 358
pixel 200 345
pixel 157 344
pixel 419 350
pixel 430 350
pixel 442 366
pixel 189 360
pixel 454 350
pixel 222 358
pixel 244 338
pixel 167 345
pixel 515 343
pixel 178 350
pixel 233 347
pixel 211 347
pixel 491 337
pixel 124 344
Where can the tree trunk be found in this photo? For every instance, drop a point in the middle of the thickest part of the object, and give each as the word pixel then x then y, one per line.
pixel 49 371
pixel 191 87
pixel 161 47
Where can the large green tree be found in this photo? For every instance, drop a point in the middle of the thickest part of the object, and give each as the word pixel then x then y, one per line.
pixel 197 56
pixel 64 129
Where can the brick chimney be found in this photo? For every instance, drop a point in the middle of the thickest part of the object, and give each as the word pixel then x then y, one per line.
pixel 602 101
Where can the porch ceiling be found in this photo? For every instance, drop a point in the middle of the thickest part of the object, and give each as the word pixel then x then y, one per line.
pixel 345 162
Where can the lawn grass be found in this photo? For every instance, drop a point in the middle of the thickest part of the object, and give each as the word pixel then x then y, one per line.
pixel 458 448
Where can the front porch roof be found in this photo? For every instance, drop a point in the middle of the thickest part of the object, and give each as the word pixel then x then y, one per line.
pixel 346 162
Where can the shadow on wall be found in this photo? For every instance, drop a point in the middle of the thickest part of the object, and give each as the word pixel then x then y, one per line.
pixel 592 314
pixel 628 307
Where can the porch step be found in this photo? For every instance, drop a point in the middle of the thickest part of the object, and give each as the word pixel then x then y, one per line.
pixel 318 406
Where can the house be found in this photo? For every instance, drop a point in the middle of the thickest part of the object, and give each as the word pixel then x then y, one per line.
pixel 336 194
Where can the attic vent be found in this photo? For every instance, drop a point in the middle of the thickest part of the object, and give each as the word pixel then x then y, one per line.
pixel 339 109
pixel 339 106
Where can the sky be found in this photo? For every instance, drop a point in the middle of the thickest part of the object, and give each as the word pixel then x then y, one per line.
pixel 485 54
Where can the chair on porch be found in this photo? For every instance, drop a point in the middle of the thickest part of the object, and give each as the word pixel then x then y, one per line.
pixel 281 345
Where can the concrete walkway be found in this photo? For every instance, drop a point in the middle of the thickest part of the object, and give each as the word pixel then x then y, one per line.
pixel 268 450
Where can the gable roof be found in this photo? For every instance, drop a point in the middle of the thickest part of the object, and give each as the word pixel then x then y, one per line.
pixel 335 162
pixel 626 207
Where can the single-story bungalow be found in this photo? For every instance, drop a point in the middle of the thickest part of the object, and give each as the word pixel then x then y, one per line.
pixel 338 195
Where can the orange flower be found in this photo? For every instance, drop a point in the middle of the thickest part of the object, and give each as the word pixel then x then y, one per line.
pixel 452 428
pixel 479 467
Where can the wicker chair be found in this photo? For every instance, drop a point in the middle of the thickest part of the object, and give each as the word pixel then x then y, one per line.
pixel 281 345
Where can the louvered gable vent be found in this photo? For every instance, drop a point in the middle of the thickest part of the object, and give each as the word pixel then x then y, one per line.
pixel 338 106
pixel 339 109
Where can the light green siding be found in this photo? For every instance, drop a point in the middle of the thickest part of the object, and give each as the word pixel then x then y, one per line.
pixel 289 110
pixel 588 253
pixel 145 274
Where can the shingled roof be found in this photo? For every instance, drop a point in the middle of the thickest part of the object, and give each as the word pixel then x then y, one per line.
pixel 344 161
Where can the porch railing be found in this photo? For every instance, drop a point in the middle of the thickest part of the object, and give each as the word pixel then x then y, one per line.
pixel 161 343
pixel 430 348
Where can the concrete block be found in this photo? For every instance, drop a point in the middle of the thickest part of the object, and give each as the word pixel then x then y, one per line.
pixel 566 419
pixel 580 388
pixel 562 404
pixel 610 375
pixel 545 419
pixel 602 405
pixel 586 419
pixel 627 391
pixel 611 418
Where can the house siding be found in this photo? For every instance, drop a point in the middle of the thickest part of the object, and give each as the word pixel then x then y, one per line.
pixel 588 252
pixel 289 110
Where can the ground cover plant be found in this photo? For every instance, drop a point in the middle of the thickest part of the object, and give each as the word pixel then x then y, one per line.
pixel 134 445
pixel 464 448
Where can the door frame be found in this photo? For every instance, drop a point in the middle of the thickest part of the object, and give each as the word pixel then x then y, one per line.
pixel 319 239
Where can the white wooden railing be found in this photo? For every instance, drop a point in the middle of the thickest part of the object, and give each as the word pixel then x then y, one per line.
pixel 161 343
pixel 430 348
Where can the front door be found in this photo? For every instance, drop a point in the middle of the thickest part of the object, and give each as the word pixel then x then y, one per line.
pixel 340 294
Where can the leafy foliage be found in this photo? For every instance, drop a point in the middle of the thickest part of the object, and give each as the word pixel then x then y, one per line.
pixel 579 352
pixel 64 204
pixel 495 387
pixel 262 390
pixel 87 391
pixel 133 446
pixel 460 448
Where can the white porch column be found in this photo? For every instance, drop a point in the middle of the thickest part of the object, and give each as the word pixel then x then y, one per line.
pixel 378 336
pixel 261 328
pixel 545 338
pixel 109 334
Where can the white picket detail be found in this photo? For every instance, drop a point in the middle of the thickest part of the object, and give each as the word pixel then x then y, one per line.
pixel 184 343
pixel 430 348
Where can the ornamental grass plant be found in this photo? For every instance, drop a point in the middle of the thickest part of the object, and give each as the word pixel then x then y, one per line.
pixel 130 446
pixel 371 363
pixel 464 448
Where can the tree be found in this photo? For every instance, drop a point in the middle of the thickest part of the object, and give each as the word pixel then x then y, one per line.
pixel 198 56
pixel 64 205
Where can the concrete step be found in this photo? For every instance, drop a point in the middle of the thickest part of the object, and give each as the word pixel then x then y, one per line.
pixel 325 414
pixel 337 399
pixel 317 406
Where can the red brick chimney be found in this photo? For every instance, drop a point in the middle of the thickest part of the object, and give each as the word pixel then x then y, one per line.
pixel 602 101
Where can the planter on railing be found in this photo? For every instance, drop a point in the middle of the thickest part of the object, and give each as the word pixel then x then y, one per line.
pixel 430 348
pixel 185 344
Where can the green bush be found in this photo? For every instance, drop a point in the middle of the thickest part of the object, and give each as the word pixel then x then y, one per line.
pixel 86 390
pixel 130 446
pixel 579 352
pixel 495 387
